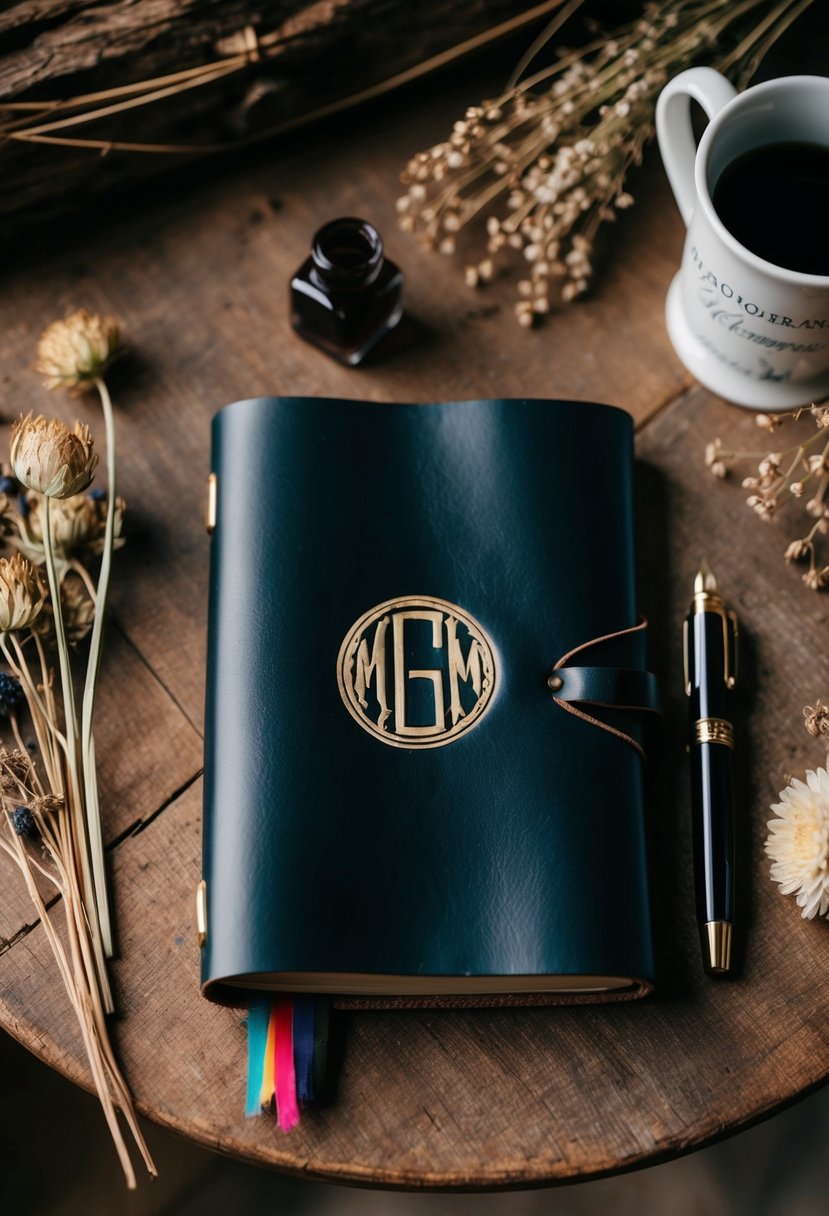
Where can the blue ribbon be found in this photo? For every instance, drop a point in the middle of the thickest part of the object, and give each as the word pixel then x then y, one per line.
pixel 304 1012
pixel 258 1017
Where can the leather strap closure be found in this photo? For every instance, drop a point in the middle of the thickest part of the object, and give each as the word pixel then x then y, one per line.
pixel 619 687
pixel 610 688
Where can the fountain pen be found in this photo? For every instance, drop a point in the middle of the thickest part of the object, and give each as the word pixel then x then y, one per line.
pixel 710 655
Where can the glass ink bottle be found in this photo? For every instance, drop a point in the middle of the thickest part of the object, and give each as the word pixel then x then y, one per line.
pixel 346 296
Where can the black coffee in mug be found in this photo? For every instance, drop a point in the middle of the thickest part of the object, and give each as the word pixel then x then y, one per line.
pixel 775 200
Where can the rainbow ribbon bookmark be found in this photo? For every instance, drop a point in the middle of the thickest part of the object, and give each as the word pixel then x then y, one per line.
pixel 287 1046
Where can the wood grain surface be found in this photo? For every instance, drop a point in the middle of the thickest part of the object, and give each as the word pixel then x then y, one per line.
pixel 198 272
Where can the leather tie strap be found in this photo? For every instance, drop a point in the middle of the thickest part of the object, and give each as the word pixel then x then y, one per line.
pixel 613 688
pixel 616 687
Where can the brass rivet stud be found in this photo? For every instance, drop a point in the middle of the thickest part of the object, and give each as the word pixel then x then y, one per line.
pixel 212 503
pixel 555 682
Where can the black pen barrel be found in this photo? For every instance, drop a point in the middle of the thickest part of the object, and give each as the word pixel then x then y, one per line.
pixel 713 831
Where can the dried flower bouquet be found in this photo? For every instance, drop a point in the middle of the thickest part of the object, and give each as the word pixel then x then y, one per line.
pixel 50 818
pixel 544 165
pixel 796 473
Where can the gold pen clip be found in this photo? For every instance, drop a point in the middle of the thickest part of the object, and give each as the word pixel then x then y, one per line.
pixel 686 658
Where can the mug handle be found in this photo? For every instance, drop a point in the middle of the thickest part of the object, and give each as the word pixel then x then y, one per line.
pixel 675 134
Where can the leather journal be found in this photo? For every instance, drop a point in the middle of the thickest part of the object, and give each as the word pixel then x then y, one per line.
pixel 423 746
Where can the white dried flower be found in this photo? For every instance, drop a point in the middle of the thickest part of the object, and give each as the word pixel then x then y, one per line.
pixel 21 593
pixel 75 352
pixel 815 578
pixel 714 459
pixel 78 527
pixel 816 719
pixel 797 550
pixel 798 843
pixel 51 459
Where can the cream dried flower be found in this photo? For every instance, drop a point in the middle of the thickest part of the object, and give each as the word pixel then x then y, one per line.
pixel 51 459
pixel 78 526
pixel 21 593
pixel 714 461
pixel 815 578
pixel 75 352
pixel 78 612
pixel 798 842
pixel 797 550
pixel 816 719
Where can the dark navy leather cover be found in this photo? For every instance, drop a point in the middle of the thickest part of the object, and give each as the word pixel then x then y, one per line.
pixel 517 849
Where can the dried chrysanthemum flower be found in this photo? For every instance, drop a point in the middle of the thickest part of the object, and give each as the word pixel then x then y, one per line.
pixel 78 610
pixel 75 352
pixel 21 593
pixel 798 842
pixel 51 459
pixel 816 719
pixel 78 525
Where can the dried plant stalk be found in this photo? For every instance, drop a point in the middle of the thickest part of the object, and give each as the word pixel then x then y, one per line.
pixel 49 811
pixel 545 164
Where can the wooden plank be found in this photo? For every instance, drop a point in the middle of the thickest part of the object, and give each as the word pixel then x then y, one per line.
pixel 199 277
pixel 497 1097
pixel 278 64
pixel 147 751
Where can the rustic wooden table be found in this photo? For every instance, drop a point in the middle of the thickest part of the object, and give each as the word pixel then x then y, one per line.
pixel 198 270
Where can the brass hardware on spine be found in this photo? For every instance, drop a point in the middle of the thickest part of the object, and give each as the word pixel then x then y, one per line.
pixel 201 913
pixel 212 502
pixel 714 730
pixel 555 682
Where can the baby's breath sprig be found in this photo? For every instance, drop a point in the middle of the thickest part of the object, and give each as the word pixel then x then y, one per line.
pixel 796 473
pixel 552 153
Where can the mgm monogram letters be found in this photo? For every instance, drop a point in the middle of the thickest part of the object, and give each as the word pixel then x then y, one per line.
pixel 387 687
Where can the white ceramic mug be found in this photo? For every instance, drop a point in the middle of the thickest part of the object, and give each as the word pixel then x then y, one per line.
pixel 756 333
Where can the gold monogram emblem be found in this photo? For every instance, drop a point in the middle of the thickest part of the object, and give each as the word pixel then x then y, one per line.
pixel 416 672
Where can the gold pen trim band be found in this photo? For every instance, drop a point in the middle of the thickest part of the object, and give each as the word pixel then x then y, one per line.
pixel 714 730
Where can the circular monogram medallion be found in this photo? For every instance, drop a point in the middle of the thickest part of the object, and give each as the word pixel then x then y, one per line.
pixel 416 671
